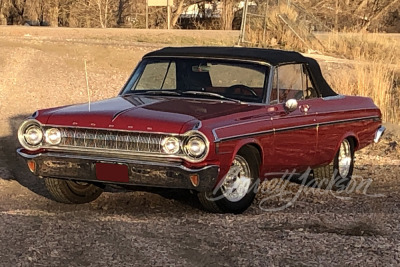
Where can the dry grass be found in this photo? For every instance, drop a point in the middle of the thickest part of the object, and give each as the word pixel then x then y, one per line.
pixel 375 79
pixel 123 37
pixel 277 34
pixel 363 46
pixel 374 72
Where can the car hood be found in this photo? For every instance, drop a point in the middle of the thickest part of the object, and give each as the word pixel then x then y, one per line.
pixel 141 113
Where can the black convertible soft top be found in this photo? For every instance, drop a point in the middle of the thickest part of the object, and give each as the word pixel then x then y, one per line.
pixel 272 56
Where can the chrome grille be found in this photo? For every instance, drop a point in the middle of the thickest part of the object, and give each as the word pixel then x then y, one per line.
pixel 111 140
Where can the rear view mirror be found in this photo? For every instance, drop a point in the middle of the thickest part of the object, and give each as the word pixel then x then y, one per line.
pixel 201 68
pixel 291 105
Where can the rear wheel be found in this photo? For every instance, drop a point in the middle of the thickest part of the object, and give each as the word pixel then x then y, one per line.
pixel 337 175
pixel 238 188
pixel 72 192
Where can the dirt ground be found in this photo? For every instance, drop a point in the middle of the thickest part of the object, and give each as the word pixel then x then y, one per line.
pixel 42 68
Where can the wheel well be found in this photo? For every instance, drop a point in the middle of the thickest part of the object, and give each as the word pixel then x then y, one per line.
pixel 354 140
pixel 254 149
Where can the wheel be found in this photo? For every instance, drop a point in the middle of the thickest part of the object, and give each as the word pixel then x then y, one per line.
pixel 237 190
pixel 231 89
pixel 337 175
pixel 72 192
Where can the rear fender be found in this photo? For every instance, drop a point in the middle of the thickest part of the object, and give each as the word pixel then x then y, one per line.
pixel 348 135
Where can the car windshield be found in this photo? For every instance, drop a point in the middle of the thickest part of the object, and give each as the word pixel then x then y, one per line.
pixel 199 78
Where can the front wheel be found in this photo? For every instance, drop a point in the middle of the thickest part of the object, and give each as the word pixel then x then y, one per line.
pixel 337 175
pixel 72 192
pixel 237 189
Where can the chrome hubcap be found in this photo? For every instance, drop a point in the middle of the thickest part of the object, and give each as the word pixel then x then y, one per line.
pixel 344 159
pixel 237 181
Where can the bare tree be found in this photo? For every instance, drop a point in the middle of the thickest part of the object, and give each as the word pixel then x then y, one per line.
pixel 17 11
pixel 380 13
pixel 123 6
pixel 180 6
pixel 3 19
pixel 53 12
pixel 227 14
pixel 103 10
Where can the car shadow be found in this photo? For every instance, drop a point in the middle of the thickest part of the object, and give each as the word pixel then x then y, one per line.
pixel 17 170
pixel 15 165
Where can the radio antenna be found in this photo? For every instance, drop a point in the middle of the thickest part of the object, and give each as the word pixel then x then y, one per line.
pixel 87 84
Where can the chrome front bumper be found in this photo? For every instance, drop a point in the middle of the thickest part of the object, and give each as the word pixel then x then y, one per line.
pixel 141 173
pixel 379 133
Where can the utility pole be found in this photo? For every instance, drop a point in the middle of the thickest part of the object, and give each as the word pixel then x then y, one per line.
pixel 147 14
pixel 337 16
pixel 168 15
pixel 243 25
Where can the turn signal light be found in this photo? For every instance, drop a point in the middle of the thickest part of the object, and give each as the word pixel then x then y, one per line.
pixel 194 178
pixel 31 166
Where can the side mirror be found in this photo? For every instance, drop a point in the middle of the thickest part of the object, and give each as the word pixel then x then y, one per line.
pixel 291 105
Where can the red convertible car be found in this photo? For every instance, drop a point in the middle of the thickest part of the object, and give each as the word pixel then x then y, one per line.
pixel 213 120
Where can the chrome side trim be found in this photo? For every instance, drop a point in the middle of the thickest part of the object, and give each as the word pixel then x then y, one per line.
pixel 345 110
pixel 216 138
pixel 379 133
pixel 288 128
pixel 349 120
pixel 214 131
pixel 244 135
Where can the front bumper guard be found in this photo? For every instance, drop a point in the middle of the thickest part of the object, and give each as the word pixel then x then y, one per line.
pixel 140 173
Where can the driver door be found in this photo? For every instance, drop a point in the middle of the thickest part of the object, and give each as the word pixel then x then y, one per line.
pixel 295 132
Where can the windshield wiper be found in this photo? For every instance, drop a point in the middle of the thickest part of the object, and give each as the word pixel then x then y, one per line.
pixel 153 92
pixel 214 95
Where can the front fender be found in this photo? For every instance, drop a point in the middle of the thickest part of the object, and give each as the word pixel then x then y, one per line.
pixel 227 150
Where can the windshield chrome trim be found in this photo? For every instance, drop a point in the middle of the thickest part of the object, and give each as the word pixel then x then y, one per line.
pixel 260 62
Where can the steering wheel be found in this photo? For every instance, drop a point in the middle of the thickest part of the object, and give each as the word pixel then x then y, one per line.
pixel 309 93
pixel 241 87
pixel 298 95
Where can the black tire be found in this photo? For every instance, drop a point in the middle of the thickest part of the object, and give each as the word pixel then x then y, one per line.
pixel 332 177
pixel 218 201
pixel 71 192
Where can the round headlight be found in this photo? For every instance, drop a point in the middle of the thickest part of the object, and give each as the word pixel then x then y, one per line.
pixel 53 136
pixel 33 135
pixel 195 147
pixel 171 145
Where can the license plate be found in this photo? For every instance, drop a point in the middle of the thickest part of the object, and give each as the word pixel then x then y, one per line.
pixel 112 172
